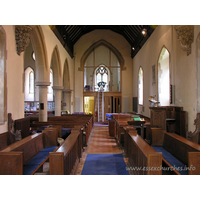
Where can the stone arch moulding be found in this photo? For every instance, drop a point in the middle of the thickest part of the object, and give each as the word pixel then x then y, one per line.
pixel 39 47
pixel 66 75
pixel 157 64
pixel 28 67
pixel 108 45
pixel 161 52
pixel 56 66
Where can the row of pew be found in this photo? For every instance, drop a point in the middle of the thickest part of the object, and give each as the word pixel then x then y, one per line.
pixel 159 152
pixel 27 156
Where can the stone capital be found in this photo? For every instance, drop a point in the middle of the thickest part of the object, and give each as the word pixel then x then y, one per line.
pixel 67 90
pixel 57 87
pixel 44 84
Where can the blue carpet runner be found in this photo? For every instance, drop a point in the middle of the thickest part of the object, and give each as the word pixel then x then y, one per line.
pixel 104 164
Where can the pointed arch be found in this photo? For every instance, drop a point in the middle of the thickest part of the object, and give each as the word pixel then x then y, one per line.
pixel 95 45
pixel 56 67
pixel 41 63
pixel 102 73
pixel 66 76
pixel 29 89
pixel 162 51
pixel 164 77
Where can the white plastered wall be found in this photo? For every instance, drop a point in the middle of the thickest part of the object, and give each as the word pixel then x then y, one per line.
pixel 183 70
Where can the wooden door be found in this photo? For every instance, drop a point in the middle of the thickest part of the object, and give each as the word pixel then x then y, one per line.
pixel 115 104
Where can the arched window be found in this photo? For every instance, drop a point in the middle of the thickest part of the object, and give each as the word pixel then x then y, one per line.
pixel 102 65
pixel 140 86
pixel 163 78
pixel 50 90
pixel 29 91
pixel 102 77
pixel 31 82
pixel 2 77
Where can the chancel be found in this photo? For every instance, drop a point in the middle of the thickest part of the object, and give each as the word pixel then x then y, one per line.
pixel 99 99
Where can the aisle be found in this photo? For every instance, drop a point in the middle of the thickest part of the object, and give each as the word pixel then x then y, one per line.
pixel 103 147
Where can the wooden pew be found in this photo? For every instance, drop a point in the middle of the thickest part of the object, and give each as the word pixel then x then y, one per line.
pixel 186 151
pixel 3 140
pixel 79 121
pixel 22 124
pixel 123 120
pixel 65 160
pixel 120 121
pixel 29 154
pixel 143 159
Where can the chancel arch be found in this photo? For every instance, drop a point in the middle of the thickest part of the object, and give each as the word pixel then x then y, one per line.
pixel 102 66
pixel 102 58
pixel 105 44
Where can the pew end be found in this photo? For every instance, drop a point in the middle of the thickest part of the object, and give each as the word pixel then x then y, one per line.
pixel 59 128
pixel 11 163
pixel 56 163
pixel 154 164
pixel 157 136
pixel 50 137
pixel 3 140
pixel 194 163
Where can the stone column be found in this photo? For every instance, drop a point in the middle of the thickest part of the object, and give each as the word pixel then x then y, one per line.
pixel 58 92
pixel 67 99
pixel 43 100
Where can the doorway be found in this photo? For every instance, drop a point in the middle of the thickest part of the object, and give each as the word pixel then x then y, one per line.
pixel 115 104
pixel 89 105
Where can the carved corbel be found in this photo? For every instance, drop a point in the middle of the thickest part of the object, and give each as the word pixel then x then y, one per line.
pixel 22 37
pixel 186 36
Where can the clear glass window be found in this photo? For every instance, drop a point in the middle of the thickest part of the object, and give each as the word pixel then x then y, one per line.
pixel 31 82
pixel 140 86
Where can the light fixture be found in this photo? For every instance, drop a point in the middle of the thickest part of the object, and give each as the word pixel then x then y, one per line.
pixel 144 32
pixel 133 48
